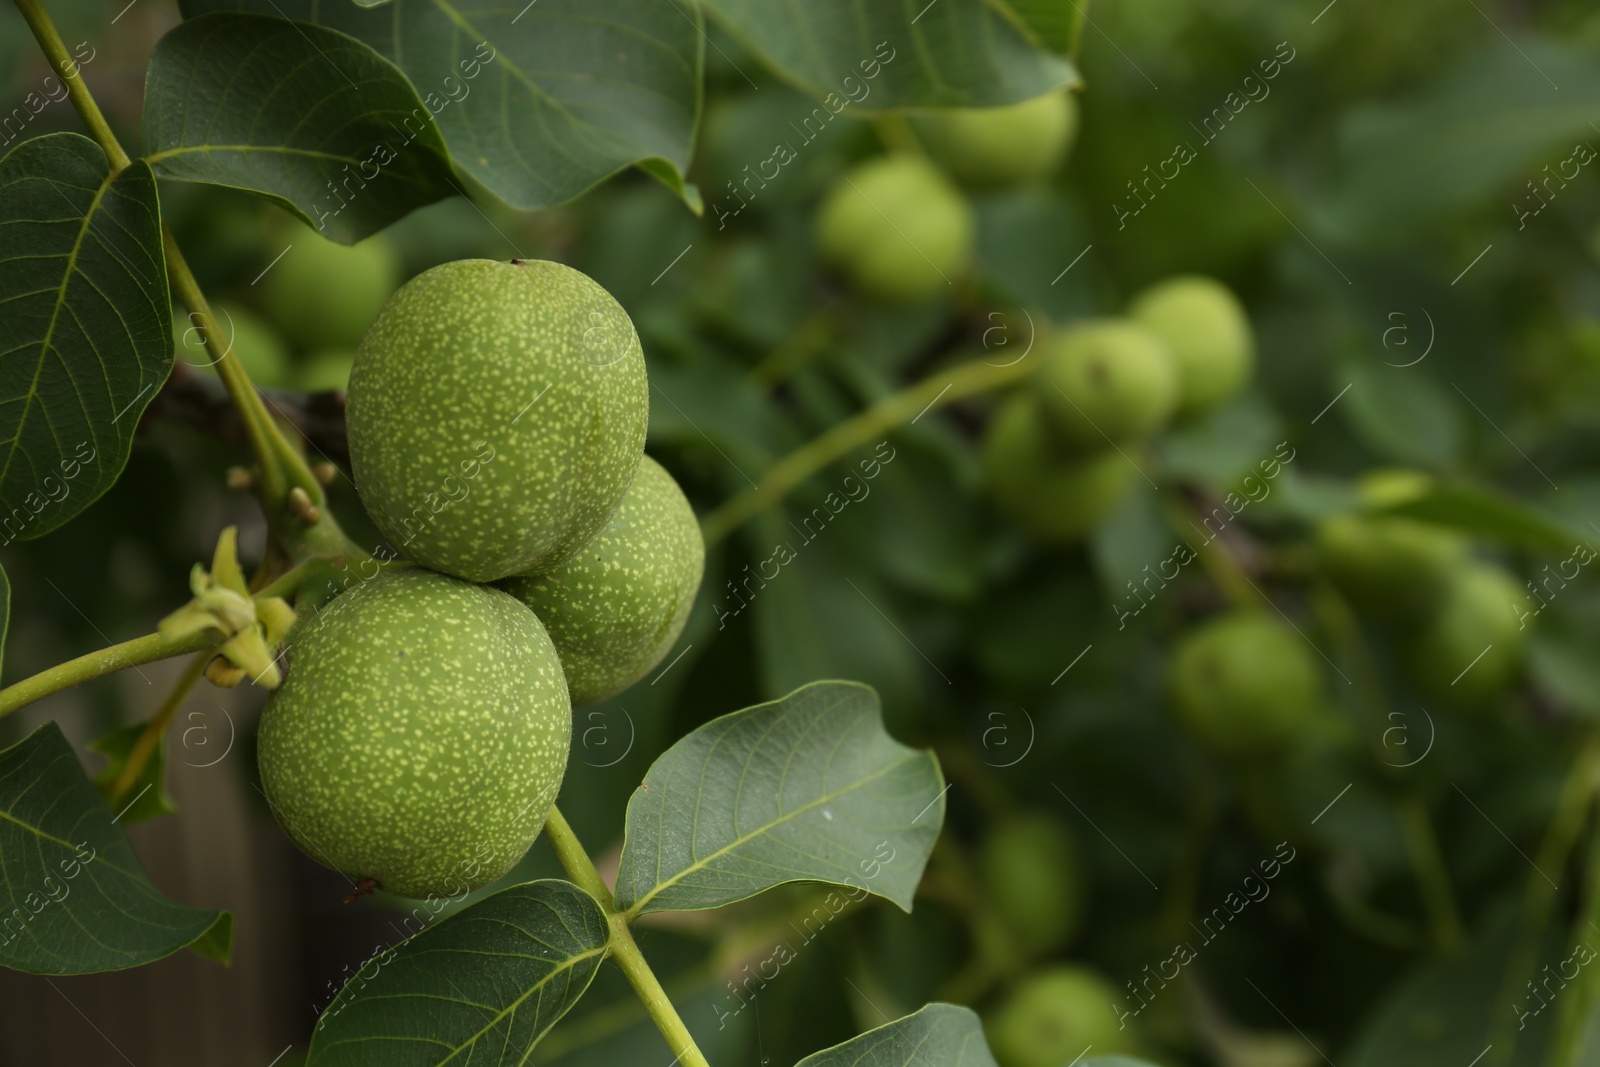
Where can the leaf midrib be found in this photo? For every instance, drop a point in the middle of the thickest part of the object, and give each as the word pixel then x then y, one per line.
pixel 8 817
pixel 55 315
pixel 700 864
pixel 286 150
pixel 538 986
pixel 564 966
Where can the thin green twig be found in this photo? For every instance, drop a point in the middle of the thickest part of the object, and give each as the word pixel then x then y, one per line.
pixel 624 949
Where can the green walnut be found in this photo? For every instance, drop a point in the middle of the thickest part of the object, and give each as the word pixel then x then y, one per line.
pixel 325 294
pixel 1245 681
pixel 617 607
pixel 1053 494
pixel 1392 569
pixel 1000 146
pixel 324 370
pixel 496 416
pixel 897 228
pixel 1203 325
pixel 1053 1014
pixel 420 736
pixel 1468 652
pixel 1106 381
pixel 258 348
pixel 1031 874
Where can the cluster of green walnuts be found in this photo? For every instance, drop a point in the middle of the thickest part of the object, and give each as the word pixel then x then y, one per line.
pixel 1032 881
pixel 1059 456
pixel 1453 616
pixel 497 415
pixel 1246 682
pixel 899 227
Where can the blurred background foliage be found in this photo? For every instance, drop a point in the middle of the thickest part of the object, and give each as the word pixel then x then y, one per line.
pixel 1373 206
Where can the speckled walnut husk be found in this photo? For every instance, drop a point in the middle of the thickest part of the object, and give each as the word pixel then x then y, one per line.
pixel 497 414
pixel 616 608
pixel 421 735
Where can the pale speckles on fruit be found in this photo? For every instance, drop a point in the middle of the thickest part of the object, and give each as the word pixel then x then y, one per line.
pixel 493 426
pixel 615 609
pixel 421 735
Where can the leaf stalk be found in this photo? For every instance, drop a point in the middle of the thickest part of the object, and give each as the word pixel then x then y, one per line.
pixel 624 949
pixel 938 389
pixel 282 468
pixel 108 660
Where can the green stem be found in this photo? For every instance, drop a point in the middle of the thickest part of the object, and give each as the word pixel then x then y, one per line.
pixel 1334 614
pixel 606 1022
pixel 104 661
pixel 1433 878
pixel 805 344
pixel 1578 1009
pixel 289 582
pixel 1215 557
pixel 272 481
pixel 1178 908
pixel 155 728
pixel 996 949
pixel 55 50
pixel 1079 16
pixel 282 468
pixel 1578 791
pixel 624 949
pixel 897 135
pixel 941 388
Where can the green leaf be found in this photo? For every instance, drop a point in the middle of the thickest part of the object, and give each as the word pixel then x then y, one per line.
pixel 301 115
pixel 482 986
pixel 1049 24
pixel 1021 234
pixel 913 535
pixel 5 609
pixel 818 615
pixel 146 797
pixel 1490 514
pixel 809 788
pixel 1446 1010
pixel 537 101
pixel 940 1035
pixel 73 899
pixel 1411 163
pixel 1563 660
pixel 951 53
pixel 612 1027
pixel 85 326
pixel 1218 449
pixel 1132 543
pixel 1401 413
